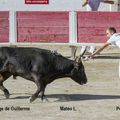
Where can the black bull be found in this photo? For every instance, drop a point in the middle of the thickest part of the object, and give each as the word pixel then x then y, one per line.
pixel 38 65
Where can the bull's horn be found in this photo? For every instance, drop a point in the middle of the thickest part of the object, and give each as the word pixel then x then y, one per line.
pixel 78 59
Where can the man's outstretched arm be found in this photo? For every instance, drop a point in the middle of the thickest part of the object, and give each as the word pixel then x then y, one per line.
pixel 99 50
pixel 85 3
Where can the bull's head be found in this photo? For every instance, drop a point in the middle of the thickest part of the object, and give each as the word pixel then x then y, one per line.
pixel 78 72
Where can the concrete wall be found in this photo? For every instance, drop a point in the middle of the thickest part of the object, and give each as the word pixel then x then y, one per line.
pixel 54 5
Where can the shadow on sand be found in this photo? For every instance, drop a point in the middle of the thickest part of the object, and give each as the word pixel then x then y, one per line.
pixel 72 97
pixel 107 57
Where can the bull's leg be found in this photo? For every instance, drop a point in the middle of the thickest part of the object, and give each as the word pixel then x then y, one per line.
pixel 6 92
pixel 3 77
pixel 42 92
pixel 38 83
pixel 4 67
pixel 35 95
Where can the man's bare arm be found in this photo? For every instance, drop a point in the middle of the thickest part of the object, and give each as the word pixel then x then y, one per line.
pixel 85 3
pixel 99 50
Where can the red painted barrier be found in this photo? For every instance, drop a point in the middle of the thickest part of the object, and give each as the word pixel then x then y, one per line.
pixel 4 26
pixel 92 25
pixel 43 26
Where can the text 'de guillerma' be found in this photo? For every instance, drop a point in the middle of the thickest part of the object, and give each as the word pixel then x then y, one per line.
pixel 14 108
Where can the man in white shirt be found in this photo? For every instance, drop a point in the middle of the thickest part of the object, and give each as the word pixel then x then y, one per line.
pixel 94 5
pixel 114 39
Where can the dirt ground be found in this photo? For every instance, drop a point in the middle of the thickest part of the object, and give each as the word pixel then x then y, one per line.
pixel 99 99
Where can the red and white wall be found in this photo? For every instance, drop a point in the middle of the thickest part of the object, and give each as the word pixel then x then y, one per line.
pixel 60 21
pixel 4 26
pixel 92 25
pixel 43 27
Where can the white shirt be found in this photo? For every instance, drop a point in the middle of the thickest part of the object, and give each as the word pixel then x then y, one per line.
pixel 115 40
pixel 94 4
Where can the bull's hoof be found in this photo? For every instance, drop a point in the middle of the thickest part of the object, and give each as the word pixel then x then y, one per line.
pixel 31 99
pixel 6 93
pixel 44 99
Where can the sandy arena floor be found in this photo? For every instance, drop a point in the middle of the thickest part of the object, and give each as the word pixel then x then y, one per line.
pixel 99 99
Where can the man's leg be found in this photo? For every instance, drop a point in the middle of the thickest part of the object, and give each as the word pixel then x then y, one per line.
pixel 73 52
pixel 83 50
pixel 92 49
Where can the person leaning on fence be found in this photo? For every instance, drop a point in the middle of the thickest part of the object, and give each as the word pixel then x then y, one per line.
pixel 94 5
pixel 114 39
